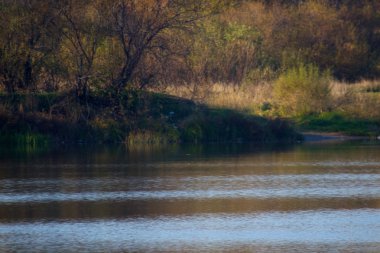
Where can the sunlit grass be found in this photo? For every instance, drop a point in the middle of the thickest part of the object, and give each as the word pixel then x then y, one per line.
pixel 338 122
pixel 249 98
pixel 361 99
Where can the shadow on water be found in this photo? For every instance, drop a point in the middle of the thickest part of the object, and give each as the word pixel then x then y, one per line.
pixel 103 160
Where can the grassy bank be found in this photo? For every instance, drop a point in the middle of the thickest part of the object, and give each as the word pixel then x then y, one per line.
pixel 135 117
pixel 337 122
pixel 349 108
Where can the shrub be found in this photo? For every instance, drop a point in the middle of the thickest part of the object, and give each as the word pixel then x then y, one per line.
pixel 303 90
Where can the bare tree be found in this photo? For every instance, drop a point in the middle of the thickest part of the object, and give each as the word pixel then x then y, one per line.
pixel 82 37
pixel 141 26
pixel 26 40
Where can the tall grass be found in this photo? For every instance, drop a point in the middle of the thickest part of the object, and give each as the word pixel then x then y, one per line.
pixel 359 100
pixel 249 98
pixel 140 137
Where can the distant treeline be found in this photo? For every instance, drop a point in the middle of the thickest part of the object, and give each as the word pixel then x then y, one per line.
pixel 86 45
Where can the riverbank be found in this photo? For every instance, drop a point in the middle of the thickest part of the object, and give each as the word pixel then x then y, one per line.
pixel 351 109
pixel 338 126
pixel 133 117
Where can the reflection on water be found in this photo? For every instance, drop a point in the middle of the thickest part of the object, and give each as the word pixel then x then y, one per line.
pixel 208 187
pixel 306 198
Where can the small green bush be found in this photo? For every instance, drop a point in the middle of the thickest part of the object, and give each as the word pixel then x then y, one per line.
pixel 303 90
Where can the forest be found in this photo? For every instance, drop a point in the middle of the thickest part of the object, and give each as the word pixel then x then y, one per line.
pixel 126 66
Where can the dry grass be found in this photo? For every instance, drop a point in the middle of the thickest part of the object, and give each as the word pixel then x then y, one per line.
pixel 222 95
pixel 362 87
pixel 361 99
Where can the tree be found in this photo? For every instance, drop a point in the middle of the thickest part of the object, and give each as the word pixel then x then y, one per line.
pixel 142 28
pixel 27 37
pixel 82 35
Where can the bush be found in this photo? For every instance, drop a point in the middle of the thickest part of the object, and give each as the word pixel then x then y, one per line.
pixel 303 90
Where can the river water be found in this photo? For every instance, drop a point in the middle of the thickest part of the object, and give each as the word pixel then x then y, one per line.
pixel 311 197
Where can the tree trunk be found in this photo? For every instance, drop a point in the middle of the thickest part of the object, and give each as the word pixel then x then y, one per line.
pixel 28 78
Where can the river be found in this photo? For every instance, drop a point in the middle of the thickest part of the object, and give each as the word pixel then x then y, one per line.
pixel 311 197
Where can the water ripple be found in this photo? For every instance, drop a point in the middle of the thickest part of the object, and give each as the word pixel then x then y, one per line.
pixel 316 230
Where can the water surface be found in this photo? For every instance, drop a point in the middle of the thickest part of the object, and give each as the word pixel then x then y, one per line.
pixel 314 197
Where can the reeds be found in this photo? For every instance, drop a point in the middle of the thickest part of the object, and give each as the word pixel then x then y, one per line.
pixel 141 137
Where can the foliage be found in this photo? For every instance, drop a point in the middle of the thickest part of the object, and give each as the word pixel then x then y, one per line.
pixel 224 51
pixel 90 45
pixel 303 90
